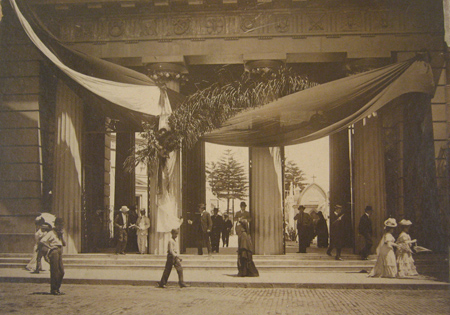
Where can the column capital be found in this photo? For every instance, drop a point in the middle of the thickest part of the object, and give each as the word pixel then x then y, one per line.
pixel 263 67
pixel 166 72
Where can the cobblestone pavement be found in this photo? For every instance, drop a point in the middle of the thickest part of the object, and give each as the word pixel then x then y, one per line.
pixel 20 298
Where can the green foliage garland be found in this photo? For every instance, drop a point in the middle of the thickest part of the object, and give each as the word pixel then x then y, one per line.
pixel 209 108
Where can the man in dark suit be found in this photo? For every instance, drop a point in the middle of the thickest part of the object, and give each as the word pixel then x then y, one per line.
pixel 304 227
pixel 365 229
pixel 217 223
pixel 122 223
pixel 202 225
pixel 337 233
pixel 226 229
pixel 206 225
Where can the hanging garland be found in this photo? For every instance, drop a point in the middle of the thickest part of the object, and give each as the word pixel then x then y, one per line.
pixel 209 108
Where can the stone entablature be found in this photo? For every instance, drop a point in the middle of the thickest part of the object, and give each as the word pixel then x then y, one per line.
pixel 118 25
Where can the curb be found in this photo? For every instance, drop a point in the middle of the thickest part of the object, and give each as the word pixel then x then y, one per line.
pixel 202 284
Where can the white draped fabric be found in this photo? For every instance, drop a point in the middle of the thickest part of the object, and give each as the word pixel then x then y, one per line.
pixel 143 98
pixel 266 201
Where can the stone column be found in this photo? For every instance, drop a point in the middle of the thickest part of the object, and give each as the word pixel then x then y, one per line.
pixel 368 167
pixel 170 75
pixel 67 163
pixel 340 183
pixel 125 181
pixel 369 186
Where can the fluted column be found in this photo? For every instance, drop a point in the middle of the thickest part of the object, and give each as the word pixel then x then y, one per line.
pixel 125 181
pixel 369 179
pixel 369 174
pixel 340 183
pixel 170 75
pixel 68 168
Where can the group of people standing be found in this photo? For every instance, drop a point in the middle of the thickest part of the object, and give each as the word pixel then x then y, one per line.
pixel 209 229
pixel 125 224
pixel 389 263
pixel 307 229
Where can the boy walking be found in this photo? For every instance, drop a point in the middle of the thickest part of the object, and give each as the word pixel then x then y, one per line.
pixel 172 260
pixel 52 243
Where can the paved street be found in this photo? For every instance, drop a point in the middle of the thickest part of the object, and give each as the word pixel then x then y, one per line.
pixel 28 298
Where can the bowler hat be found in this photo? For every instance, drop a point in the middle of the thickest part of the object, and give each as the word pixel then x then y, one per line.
pixel 243 204
pixel 368 208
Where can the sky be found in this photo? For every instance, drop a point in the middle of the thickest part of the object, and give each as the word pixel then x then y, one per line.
pixel 312 158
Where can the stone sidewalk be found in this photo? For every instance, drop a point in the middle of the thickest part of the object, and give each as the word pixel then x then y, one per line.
pixel 220 278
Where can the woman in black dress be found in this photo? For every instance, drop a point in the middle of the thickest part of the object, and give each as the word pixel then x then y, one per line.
pixel 246 266
pixel 322 231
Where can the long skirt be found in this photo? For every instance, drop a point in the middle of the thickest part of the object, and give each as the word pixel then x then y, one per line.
pixel 246 267
pixel 405 264
pixel 386 265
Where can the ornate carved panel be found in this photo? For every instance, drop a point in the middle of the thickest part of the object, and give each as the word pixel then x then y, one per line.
pixel 234 24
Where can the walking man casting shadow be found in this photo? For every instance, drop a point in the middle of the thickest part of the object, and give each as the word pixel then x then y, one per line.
pixel 173 260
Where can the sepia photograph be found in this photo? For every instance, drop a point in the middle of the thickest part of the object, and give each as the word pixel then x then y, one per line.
pixel 225 157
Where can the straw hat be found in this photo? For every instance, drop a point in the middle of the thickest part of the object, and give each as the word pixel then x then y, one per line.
pixel 390 222
pixel 124 209
pixel 405 222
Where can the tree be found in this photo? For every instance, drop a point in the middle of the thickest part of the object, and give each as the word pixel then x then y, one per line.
pixel 227 178
pixel 293 174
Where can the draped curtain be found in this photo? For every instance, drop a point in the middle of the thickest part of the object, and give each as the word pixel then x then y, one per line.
pixel 127 94
pixel 324 109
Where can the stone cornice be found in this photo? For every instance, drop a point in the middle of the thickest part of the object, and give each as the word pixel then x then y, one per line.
pixel 235 25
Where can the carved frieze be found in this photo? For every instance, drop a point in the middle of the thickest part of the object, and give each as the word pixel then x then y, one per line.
pixel 295 23
pixel 350 21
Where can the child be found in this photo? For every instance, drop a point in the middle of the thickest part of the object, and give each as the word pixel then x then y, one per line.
pixel 52 244
pixel 405 261
pixel 45 228
pixel 386 265
pixel 34 265
pixel 172 260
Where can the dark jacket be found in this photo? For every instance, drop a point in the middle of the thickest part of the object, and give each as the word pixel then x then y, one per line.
pixel 118 221
pixel 365 226
pixel 206 222
pixel 217 223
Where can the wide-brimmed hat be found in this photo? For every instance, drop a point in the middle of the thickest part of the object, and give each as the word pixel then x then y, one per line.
pixel 390 222
pixel 338 206
pixel 124 209
pixel 46 225
pixel 405 222
pixel 368 208
pixel 301 207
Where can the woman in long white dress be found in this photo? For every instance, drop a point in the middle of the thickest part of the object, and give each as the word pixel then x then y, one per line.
pixel 405 261
pixel 386 265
